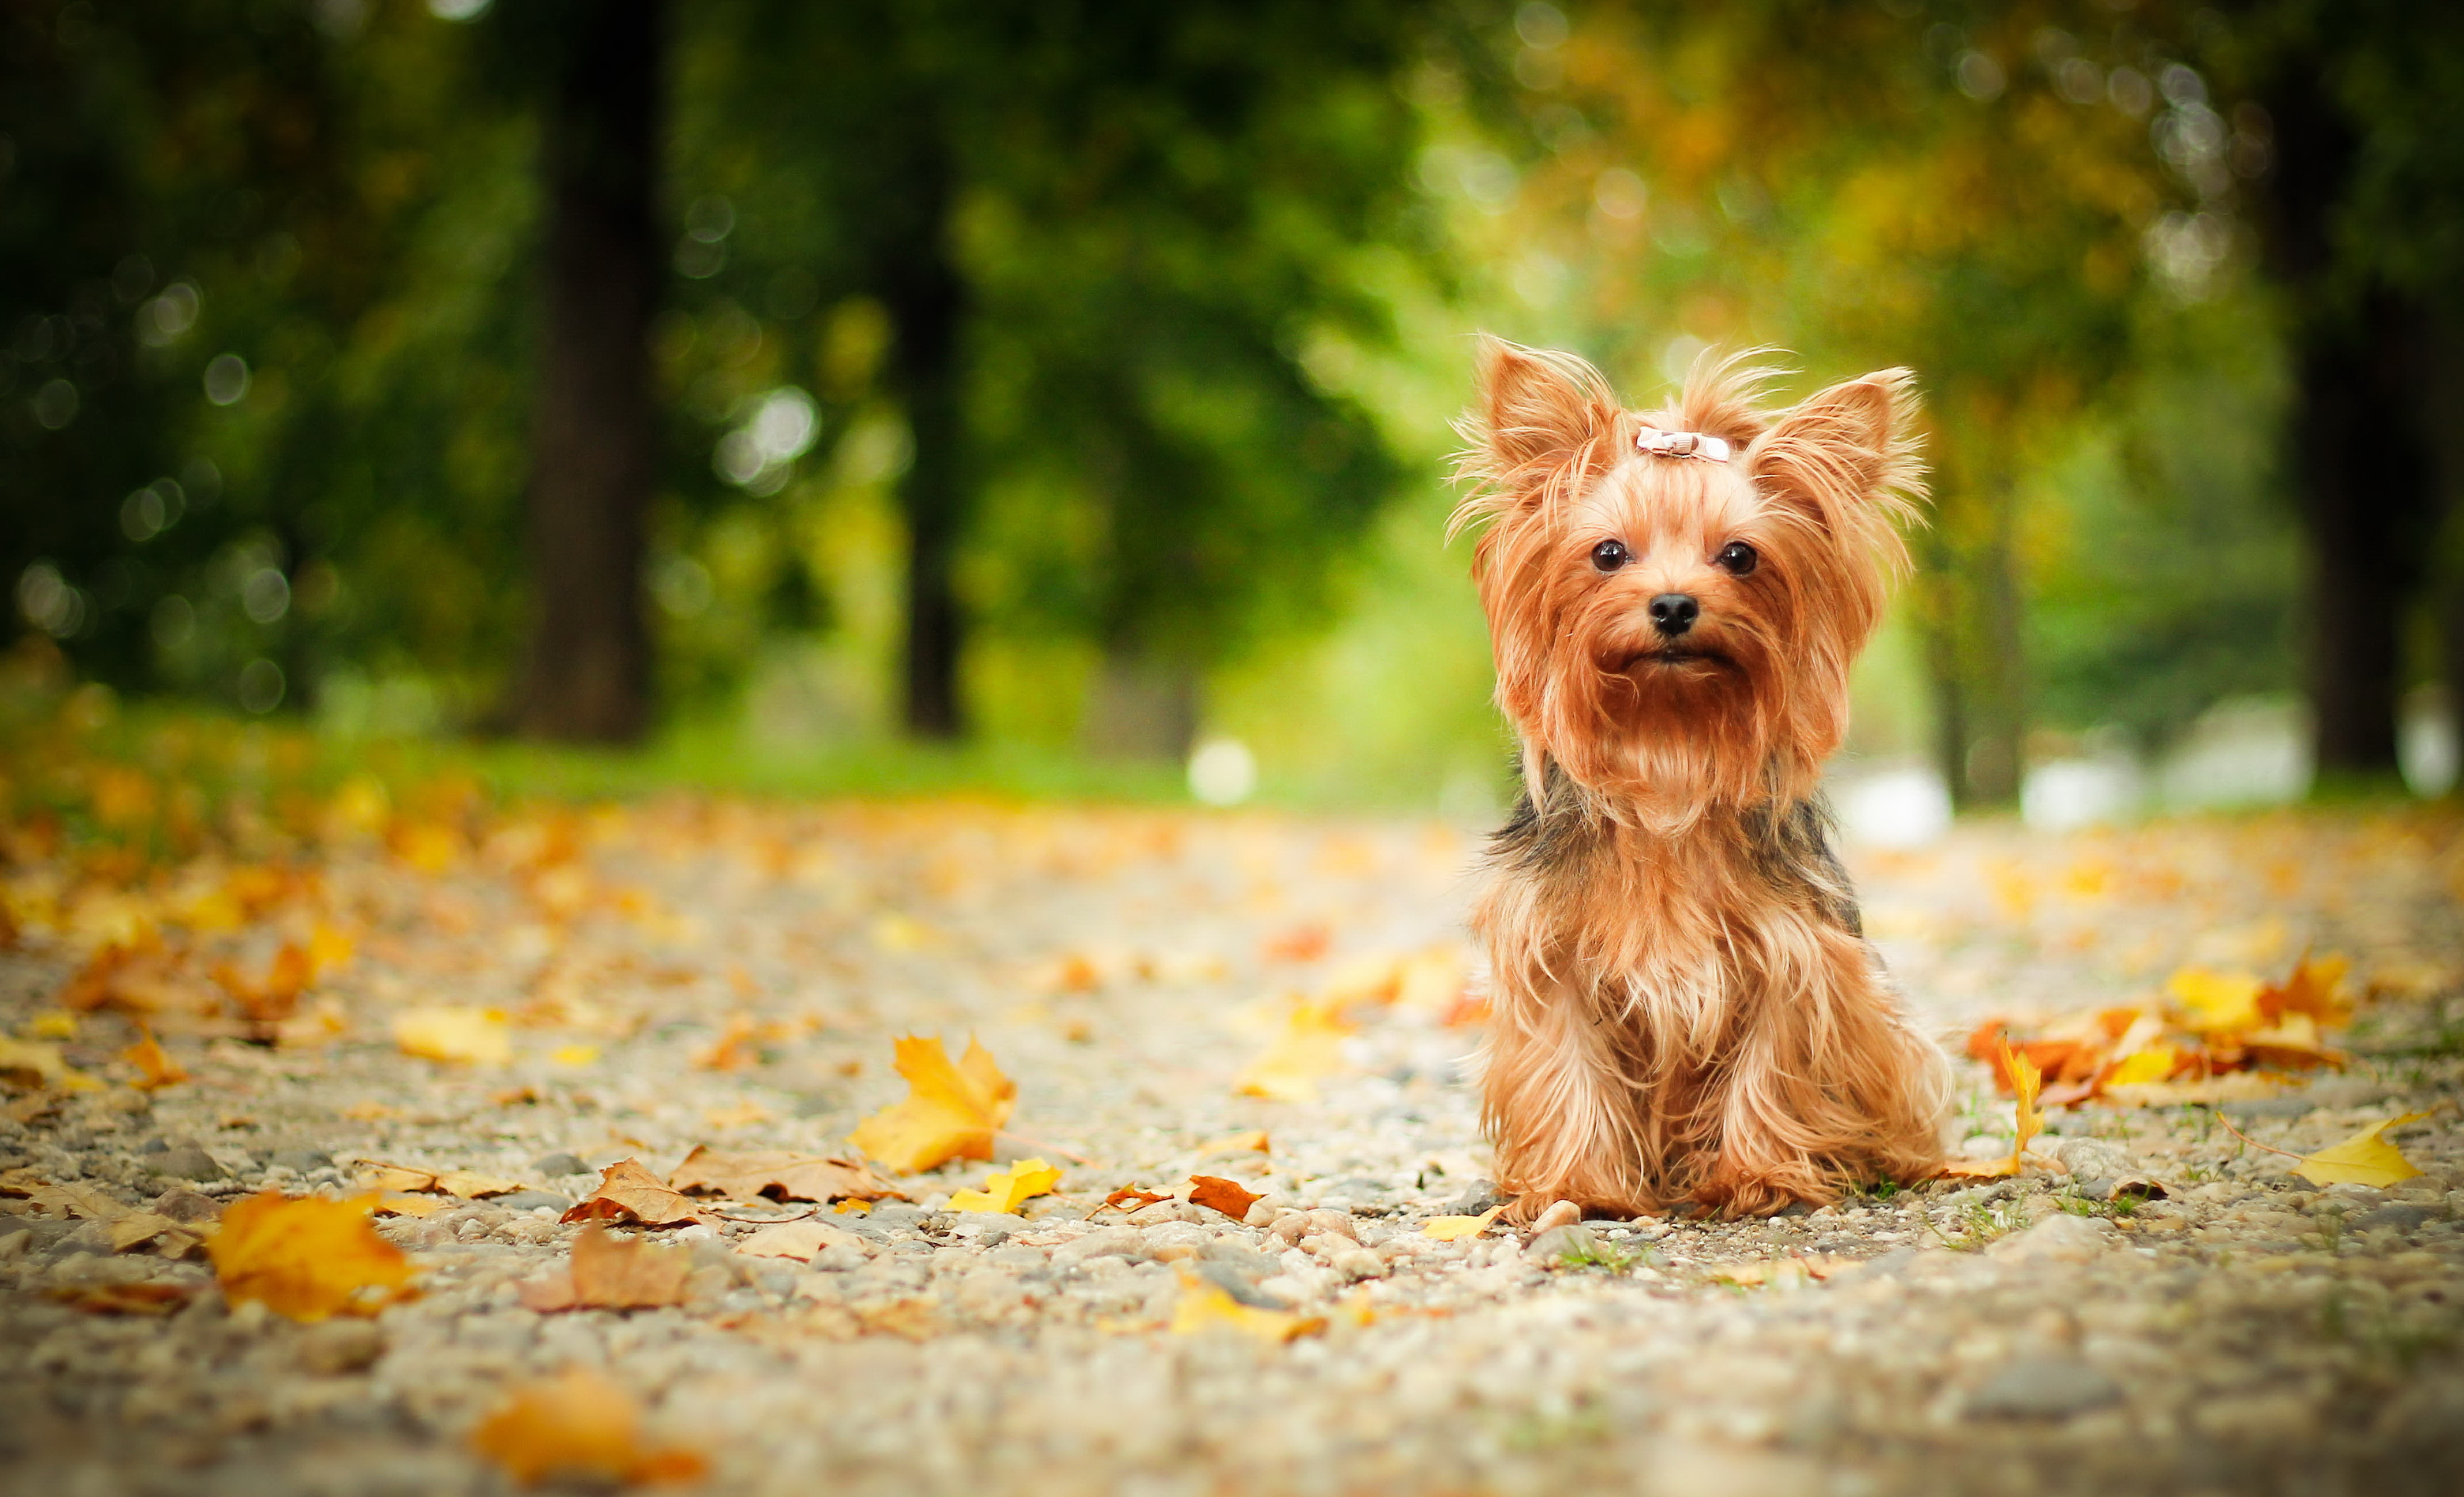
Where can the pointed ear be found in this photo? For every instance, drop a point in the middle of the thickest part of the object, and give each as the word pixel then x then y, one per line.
pixel 1538 407
pixel 1853 441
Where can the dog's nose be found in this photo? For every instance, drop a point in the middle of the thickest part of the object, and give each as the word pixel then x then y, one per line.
pixel 1673 613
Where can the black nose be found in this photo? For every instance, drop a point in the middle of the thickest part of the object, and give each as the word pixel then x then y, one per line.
pixel 1673 613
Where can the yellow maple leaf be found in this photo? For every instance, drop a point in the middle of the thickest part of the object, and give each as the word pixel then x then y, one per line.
pixel 455 1034
pixel 1310 1048
pixel 2212 1001
pixel 307 1257
pixel 155 1068
pixel 579 1424
pixel 949 1112
pixel 33 1062
pixel 1205 1306
pixel 2365 1158
pixel 2026 1121
pixel 1007 1190
pixel 1451 1229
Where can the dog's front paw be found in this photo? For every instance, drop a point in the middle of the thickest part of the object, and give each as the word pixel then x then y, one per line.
pixel 1533 1207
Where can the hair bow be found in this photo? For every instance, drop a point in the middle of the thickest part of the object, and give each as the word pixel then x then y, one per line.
pixel 1682 443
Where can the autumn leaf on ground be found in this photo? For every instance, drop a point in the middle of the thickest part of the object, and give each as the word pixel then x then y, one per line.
pixel 1228 1197
pixel 780 1175
pixel 1128 1194
pixel 2211 1001
pixel 1454 1229
pixel 155 1069
pixel 626 1192
pixel 455 1035
pixel 950 1112
pixel 1007 1190
pixel 468 1184
pixel 2313 988
pixel 1779 1269
pixel 1254 1141
pixel 607 1274
pixel 736 1047
pixel 2027 1122
pixel 150 1297
pixel 2365 1158
pixel 1205 1306
pixel 306 1258
pixel 1309 1048
pixel 269 1000
pixel 29 1062
pixel 579 1426
pixel 801 1241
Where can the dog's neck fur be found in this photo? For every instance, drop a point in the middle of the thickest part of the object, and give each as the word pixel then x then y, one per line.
pixel 1573 832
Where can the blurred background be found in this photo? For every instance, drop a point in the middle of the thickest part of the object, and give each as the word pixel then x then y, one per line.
pixel 1058 395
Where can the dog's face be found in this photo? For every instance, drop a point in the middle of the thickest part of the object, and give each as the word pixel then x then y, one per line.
pixel 1675 630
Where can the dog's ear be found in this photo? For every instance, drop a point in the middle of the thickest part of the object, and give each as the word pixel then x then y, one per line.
pixel 1851 442
pixel 1538 407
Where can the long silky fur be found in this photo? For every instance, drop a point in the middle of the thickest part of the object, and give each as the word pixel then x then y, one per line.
pixel 1684 1008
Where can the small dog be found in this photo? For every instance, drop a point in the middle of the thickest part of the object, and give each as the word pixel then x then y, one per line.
pixel 1684 1009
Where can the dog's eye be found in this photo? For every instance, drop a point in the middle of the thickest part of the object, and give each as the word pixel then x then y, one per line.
pixel 1737 559
pixel 1610 555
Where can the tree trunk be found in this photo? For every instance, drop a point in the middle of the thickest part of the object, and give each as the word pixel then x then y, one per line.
pixel 2356 453
pixel 1972 638
pixel 594 448
pixel 926 298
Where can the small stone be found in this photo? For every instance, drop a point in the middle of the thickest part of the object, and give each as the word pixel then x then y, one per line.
pixel 186 1206
pixel 2042 1387
pixel 1242 1287
pixel 2057 1239
pixel 531 1201
pixel 338 1347
pixel 1567 1247
pixel 303 1161
pixel 2404 1216
pixel 1241 1259
pixel 185 1161
pixel 1481 1196
pixel 1357 1262
pixel 555 1166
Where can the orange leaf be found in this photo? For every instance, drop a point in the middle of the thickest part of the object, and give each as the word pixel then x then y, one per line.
pixel 156 1069
pixel 146 1297
pixel 305 1258
pixel 780 1175
pixel 578 1425
pixel 626 1192
pixel 1129 1193
pixel 1225 1195
pixel 949 1112
pixel 2027 1121
pixel 610 1274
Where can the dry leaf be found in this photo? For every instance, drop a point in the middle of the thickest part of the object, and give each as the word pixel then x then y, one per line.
pixel 152 1297
pixel 2313 988
pixel 155 1069
pixel 468 1184
pixel 579 1426
pixel 1309 1048
pixel 144 1226
pixel 1204 1306
pixel 736 1047
pixel 1131 1192
pixel 2026 1123
pixel 2365 1158
pixel 455 1035
pixel 780 1175
pixel 950 1112
pixel 403 1205
pixel 1007 1190
pixel 1453 1229
pixel 1254 1141
pixel 1767 1270
pixel 2215 1001
pixel 607 1273
pixel 29 1062
pixel 306 1258
pixel 1225 1195
pixel 626 1192
pixel 740 1115
pixel 801 1241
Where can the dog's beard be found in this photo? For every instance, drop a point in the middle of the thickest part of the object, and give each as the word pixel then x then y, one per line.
pixel 1668 730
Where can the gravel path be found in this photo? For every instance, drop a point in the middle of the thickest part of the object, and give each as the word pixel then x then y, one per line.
pixel 694 972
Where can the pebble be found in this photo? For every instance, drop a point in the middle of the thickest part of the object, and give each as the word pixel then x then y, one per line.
pixel 2042 1387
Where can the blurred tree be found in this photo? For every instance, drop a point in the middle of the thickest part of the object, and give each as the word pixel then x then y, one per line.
pixel 595 439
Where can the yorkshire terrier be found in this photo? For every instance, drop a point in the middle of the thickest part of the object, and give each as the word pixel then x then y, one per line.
pixel 1685 1011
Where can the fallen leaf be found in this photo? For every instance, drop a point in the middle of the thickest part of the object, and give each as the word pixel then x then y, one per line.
pixel 780 1175
pixel 1254 1141
pixel 369 1112
pixel 1767 1270
pixel 155 1069
pixel 736 1047
pixel 626 1192
pixel 578 1425
pixel 1129 1193
pixel 1453 1229
pixel 801 1241
pixel 2215 1001
pixel 140 1228
pixel 2027 1121
pixel 460 1036
pixel 1309 1048
pixel 2313 988
pixel 607 1274
pixel 151 1297
pixel 740 1115
pixel 1300 943
pixel 2365 1158
pixel 950 1112
pixel 307 1257
pixel 1225 1195
pixel 269 1000
pixel 2155 1063
pixel 30 1063
pixel 576 1055
pixel 468 1184
pixel 408 1205
pixel 1007 1190
pixel 1205 1306
pixel 74 1201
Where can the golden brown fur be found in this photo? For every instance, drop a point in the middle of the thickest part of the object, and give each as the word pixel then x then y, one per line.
pixel 1684 1009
